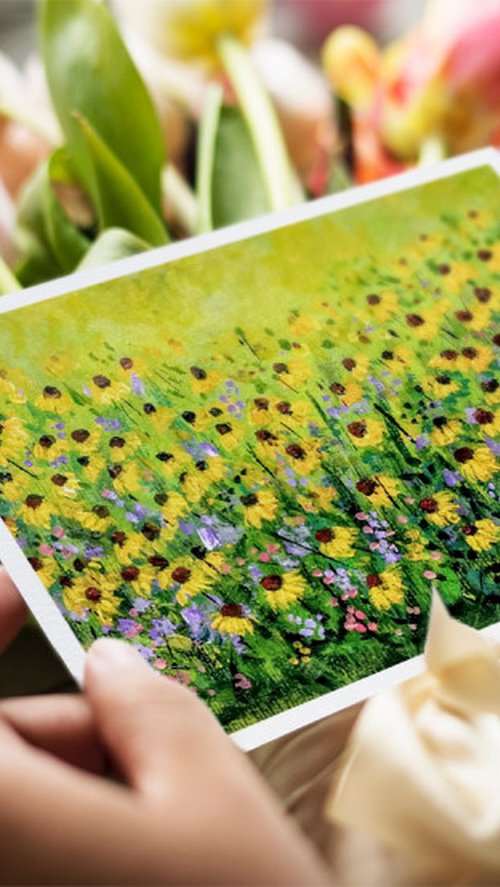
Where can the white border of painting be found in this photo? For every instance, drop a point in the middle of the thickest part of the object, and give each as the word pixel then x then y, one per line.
pixel 41 604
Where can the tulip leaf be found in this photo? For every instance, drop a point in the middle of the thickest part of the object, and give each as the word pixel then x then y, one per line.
pixel 238 190
pixel 8 282
pixel 90 72
pixel 118 199
pixel 230 187
pixel 111 245
pixel 47 240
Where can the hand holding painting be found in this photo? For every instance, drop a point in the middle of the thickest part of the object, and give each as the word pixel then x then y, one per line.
pixel 191 809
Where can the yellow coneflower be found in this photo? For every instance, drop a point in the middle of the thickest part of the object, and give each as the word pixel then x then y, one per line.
pixel 381 490
pixel 482 534
pixel 97 520
pixel 92 592
pixel 440 509
pixel 337 542
pixel 385 589
pixel 258 507
pixel 366 432
pixel 445 431
pixel 54 400
pixel 232 619
pixel 36 511
pixel 283 590
pixel 477 464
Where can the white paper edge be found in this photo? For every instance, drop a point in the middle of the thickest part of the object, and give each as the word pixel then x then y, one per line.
pixel 34 592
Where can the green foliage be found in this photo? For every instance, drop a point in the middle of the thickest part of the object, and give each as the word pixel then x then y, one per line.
pixel 50 244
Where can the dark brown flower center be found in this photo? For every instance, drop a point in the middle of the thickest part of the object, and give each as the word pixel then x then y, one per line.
pixel 414 320
pixel 469 353
pixel 80 435
pixel 51 391
pixel 296 452
pixel 101 381
pixel 249 500
pixel 464 316
pixel 366 486
pixel 357 429
pixel 373 580
pixel 33 502
pixel 324 535
pixel 348 363
pixel 272 582
pixel 280 368
pixel 469 530
pixel 463 454
pixel 482 293
pixel 373 299
pixel 449 354
pixel 130 574
pixel 429 505
pixel 59 480
pixel 93 594
pixel 181 575
pixel 483 417
pixel 261 403
pixel 47 441
pixel 198 373
pixel 234 611
pixel 284 408
pixel 337 388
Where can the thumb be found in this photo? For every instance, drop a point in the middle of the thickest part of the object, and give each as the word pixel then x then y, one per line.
pixel 156 731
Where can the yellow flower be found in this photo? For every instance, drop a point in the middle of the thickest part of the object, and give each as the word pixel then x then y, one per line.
pixel 440 509
pixel 13 439
pixel 348 393
pixel 385 589
pixel 382 305
pixel 366 432
pixel 488 421
pixel 259 506
pixel 227 435
pixel 424 325
pixel 231 618
pixel 105 391
pixel 481 535
pixel 128 548
pixel 94 593
pixel 302 457
pixel 259 411
pixel 491 391
pixel 138 579
pixel 85 441
pixel 293 373
pixel 380 490
pixel 45 569
pixel 97 520
pixel 123 447
pixel 36 511
pixel 476 465
pixel 11 392
pixel 190 29
pixel 351 59
pixel 292 414
pixel 203 381
pixel 474 358
pixel 336 542
pixel 48 448
pixel 53 400
pixel 126 478
pixel 65 486
pixel 173 506
pixel 281 591
pixel 440 386
pixel 416 549
pixel 93 469
pixel 193 576
pixel 445 431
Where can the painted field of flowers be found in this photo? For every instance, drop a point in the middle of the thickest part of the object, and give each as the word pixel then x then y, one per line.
pixel 255 463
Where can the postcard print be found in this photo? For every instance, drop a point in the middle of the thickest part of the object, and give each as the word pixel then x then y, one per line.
pixel 255 462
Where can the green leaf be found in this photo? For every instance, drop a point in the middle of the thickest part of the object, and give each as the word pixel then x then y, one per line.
pixel 89 71
pixel 229 183
pixel 48 242
pixel 263 124
pixel 113 244
pixel 118 199
pixel 8 282
pixel 238 190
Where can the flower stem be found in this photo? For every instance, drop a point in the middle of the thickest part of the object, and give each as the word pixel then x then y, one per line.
pixel 262 123
pixel 205 155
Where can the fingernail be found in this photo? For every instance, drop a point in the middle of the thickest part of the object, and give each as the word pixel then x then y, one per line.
pixel 114 653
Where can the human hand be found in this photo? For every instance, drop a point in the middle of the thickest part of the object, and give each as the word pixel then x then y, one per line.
pixel 190 809
pixel 12 610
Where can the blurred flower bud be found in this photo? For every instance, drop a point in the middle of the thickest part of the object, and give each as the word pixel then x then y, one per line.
pixel 302 100
pixel 351 60
pixel 189 29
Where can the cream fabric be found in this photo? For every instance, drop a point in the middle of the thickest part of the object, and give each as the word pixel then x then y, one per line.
pixel 406 789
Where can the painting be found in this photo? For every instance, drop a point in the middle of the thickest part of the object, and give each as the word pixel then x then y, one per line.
pixel 255 462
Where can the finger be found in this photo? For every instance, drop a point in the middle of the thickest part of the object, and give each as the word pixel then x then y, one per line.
pixel 154 728
pixel 61 725
pixel 12 610
pixel 61 826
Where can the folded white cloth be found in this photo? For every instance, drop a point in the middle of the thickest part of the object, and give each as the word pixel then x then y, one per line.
pixel 419 786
